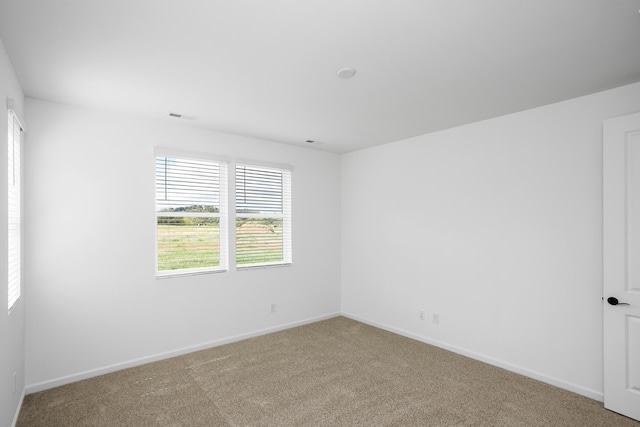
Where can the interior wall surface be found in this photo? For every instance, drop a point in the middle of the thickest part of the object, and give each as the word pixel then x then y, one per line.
pixel 495 228
pixel 12 324
pixel 95 304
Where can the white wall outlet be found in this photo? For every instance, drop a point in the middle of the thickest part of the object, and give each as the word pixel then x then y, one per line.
pixel 421 314
pixel 274 308
pixel 436 318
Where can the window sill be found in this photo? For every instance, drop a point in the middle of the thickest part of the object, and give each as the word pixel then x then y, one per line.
pixel 261 266
pixel 172 274
pixel 13 307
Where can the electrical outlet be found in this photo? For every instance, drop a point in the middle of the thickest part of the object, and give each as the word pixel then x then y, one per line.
pixel 421 314
pixel 436 318
pixel 274 308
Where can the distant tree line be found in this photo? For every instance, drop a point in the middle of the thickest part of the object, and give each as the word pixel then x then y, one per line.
pixel 193 208
pixel 197 221
pixel 200 221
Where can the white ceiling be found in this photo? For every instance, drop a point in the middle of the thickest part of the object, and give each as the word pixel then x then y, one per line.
pixel 268 68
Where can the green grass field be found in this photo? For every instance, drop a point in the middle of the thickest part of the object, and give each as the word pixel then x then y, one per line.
pixel 257 242
pixel 186 246
pixel 182 246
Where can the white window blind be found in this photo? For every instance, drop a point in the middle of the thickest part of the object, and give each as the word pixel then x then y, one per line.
pixel 263 216
pixel 191 211
pixel 13 203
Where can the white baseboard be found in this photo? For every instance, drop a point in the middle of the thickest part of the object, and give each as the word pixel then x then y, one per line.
pixel 17 414
pixel 45 385
pixel 592 394
pixel 34 388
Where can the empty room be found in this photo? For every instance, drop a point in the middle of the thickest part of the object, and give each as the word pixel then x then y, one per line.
pixel 320 213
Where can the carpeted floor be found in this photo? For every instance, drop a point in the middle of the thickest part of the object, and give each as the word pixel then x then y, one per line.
pixel 336 372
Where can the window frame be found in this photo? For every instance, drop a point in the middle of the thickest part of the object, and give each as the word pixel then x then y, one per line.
pixel 285 215
pixel 223 214
pixel 14 209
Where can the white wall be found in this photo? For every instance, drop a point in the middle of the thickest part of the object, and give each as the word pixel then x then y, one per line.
pixel 12 326
pixel 94 303
pixel 497 227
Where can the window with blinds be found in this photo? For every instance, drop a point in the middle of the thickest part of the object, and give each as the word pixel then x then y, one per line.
pixel 263 216
pixel 13 203
pixel 191 211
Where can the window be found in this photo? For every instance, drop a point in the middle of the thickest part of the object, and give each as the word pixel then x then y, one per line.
pixel 263 216
pixel 13 203
pixel 191 210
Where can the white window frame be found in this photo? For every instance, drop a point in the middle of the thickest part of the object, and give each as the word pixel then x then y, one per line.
pixel 285 214
pixel 223 213
pixel 14 201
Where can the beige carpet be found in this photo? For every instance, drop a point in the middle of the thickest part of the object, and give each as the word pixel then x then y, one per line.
pixel 336 372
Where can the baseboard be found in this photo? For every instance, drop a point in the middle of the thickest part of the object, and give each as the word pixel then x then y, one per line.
pixel 592 394
pixel 45 385
pixel 17 414
pixel 34 388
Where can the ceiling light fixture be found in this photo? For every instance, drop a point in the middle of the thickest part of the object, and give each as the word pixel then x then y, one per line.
pixel 346 73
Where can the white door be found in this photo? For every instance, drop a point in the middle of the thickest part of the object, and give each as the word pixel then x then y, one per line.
pixel 621 288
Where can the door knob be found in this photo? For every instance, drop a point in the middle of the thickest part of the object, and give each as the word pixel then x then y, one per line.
pixel 614 301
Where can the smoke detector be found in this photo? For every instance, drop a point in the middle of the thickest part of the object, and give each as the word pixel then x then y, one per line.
pixel 346 73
